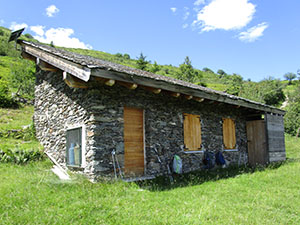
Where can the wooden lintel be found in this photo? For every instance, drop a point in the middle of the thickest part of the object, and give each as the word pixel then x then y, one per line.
pixel 153 90
pixel 198 99
pixel 108 82
pixel 46 66
pixel 73 81
pixel 130 86
pixel 188 97
pixel 28 56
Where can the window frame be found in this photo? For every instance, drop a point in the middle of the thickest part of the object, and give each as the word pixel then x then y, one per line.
pixel 83 144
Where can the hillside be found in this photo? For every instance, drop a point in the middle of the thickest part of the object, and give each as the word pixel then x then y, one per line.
pixel 17 77
pixel 232 84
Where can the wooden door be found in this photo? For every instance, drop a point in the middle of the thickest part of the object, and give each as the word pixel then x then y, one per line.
pixel 257 142
pixel 134 141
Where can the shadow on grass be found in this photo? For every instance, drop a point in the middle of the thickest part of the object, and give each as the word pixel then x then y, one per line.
pixel 163 183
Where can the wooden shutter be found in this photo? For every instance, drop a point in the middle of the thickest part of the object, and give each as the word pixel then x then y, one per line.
pixel 192 132
pixel 229 138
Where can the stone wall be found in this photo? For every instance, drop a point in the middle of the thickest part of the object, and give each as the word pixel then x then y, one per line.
pixel 101 110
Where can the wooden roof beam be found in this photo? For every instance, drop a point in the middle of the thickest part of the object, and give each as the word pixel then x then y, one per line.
pixel 108 82
pixel 151 89
pixel 73 81
pixel 172 93
pixel 130 86
pixel 46 66
pixel 198 99
pixel 175 94
pixel 28 56
pixel 188 97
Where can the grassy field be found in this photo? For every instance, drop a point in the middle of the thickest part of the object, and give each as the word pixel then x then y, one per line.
pixel 31 194
pixel 16 119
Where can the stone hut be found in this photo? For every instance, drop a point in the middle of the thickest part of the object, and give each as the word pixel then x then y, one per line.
pixel 105 119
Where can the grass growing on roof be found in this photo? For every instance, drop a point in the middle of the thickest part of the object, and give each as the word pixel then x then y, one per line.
pixel 31 194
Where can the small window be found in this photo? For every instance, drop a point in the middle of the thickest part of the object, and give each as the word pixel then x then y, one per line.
pixel 192 132
pixel 229 138
pixel 74 147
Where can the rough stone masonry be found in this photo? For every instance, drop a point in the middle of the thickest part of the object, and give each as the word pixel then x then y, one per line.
pixel 100 109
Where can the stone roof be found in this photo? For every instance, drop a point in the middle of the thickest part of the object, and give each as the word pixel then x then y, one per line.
pixel 95 63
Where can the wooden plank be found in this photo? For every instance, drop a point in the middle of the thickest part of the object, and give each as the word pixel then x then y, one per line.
pixel 164 85
pixel 133 141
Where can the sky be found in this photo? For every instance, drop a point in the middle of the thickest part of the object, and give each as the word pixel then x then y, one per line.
pixel 254 38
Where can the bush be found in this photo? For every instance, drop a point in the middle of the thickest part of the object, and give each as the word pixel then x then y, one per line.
pixel 23 78
pixel 19 156
pixel 25 134
pixel 292 116
pixel 126 56
pixel 5 99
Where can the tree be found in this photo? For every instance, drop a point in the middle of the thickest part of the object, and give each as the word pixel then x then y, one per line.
pixel 206 69
pixel 187 72
pixel 298 73
pixel 23 78
pixel 235 83
pixel 290 77
pixel 292 116
pixel 141 62
pixel 268 91
pixel 29 36
pixel 126 56
pixel 155 67
pixel 221 72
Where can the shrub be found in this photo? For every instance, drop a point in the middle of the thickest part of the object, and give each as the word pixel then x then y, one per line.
pixel 126 56
pixel 25 134
pixel 119 55
pixel 5 99
pixel 23 78
pixel 19 156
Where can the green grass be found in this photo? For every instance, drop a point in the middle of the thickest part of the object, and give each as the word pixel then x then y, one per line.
pixel 11 143
pixel 31 194
pixel 15 118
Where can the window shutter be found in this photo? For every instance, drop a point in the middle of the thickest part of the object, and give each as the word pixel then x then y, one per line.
pixel 229 138
pixel 192 132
